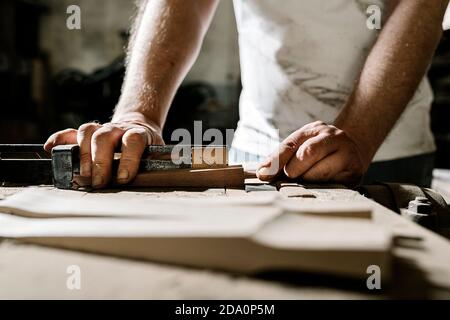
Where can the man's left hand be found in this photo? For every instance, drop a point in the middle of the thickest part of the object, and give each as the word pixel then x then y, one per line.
pixel 317 153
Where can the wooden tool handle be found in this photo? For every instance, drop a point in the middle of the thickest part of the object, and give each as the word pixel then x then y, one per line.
pixel 229 177
pixel 232 177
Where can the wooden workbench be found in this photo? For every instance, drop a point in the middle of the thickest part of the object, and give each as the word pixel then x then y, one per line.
pixel 421 270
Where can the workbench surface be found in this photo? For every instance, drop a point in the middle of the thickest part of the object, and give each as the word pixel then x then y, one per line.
pixel 421 268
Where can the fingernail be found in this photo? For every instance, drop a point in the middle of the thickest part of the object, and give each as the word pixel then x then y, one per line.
pixel 264 171
pixel 97 181
pixel 122 174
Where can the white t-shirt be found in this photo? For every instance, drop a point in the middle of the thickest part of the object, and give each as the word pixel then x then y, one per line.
pixel 299 62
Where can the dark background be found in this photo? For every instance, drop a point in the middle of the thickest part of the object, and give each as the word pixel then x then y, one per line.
pixel 40 96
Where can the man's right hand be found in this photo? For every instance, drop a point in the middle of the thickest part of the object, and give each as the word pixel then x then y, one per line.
pixel 97 145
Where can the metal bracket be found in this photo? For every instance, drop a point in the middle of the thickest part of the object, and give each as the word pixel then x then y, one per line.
pixel 65 165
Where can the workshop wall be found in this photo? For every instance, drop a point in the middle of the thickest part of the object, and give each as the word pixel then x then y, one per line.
pixel 87 65
pixel 101 39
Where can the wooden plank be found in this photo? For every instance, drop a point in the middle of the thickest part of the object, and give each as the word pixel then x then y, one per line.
pixel 294 190
pixel 226 177
pixel 199 233
pixel 423 270
pixel 327 208
pixel 229 177
pixel 46 278
pixel 209 157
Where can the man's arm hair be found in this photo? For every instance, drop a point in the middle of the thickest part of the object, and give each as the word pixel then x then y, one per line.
pixel 393 71
pixel 140 9
pixel 165 40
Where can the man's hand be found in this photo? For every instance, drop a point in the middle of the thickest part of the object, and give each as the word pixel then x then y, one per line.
pixel 165 42
pixel 388 80
pixel 318 153
pixel 97 145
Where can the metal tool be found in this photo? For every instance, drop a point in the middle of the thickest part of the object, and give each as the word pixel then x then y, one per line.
pixel 25 164
pixel 30 164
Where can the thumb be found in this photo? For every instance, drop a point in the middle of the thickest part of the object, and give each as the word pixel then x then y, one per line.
pixel 68 136
pixel 275 163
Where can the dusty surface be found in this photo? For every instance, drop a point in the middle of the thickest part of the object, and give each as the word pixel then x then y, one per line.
pixel 422 267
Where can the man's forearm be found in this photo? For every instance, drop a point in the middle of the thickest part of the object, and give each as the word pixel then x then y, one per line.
pixel 163 47
pixel 166 43
pixel 392 72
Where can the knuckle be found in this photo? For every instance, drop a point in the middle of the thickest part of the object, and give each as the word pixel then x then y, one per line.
pixel 291 144
pixel 67 136
pixel 56 137
pixel 307 126
pixel 101 135
pixel 88 127
pixel 52 136
pixel 309 151
pixel 59 138
pixel 319 123
pixel 68 131
pixel 134 138
pixel 326 140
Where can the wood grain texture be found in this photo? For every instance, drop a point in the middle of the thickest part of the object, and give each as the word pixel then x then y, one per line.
pixel 245 235
pixel 422 268
pixel 229 177
pixel 209 157
pixel 294 190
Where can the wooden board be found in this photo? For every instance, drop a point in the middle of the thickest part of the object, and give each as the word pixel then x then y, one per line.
pixel 229 177
pixel 294 190
pixel 218 177
pixel 422 264
pixel 209 157
pixel 248 234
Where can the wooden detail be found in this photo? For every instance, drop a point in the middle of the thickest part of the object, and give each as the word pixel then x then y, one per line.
pixel 205 157
pixel 422 268
pixel 294 190
pixel 228 177
pixel 248 234
pixel 331 209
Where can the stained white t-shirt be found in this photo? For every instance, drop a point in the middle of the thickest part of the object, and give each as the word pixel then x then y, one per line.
pixel 300 60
